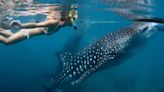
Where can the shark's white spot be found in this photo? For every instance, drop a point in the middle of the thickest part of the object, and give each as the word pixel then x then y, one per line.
pixel 70 75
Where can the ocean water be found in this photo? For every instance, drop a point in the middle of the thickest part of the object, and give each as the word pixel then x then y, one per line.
pixel 28 65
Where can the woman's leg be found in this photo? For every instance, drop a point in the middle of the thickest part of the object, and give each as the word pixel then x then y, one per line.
pixel 21 35
pixel 2 39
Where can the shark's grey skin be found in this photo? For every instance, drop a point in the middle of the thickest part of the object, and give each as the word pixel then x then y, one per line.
pixel 80 65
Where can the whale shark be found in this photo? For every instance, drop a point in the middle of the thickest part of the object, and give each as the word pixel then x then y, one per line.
pixel 79 65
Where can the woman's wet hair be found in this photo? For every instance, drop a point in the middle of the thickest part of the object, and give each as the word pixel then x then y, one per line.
pixel 72 14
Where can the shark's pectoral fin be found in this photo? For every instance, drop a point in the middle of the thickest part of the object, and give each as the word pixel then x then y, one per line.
pixel 83 76
pixel 88 73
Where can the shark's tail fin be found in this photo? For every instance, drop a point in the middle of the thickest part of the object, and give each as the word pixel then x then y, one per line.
pixel 51 88
pixel 48 89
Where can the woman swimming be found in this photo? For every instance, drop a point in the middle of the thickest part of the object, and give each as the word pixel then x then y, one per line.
pixel 54 21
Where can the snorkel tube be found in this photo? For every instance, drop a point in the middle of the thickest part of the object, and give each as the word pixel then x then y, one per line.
pixel 73 23
pixel 73 15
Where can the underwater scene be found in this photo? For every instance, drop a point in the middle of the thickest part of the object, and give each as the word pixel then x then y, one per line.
pixel 81 46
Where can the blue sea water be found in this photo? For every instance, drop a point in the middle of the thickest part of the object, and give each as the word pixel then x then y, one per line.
pixel 28 65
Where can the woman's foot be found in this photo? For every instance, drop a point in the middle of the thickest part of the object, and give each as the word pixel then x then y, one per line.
pixel 15 24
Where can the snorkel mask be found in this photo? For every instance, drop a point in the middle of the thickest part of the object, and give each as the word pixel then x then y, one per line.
pixel 73 15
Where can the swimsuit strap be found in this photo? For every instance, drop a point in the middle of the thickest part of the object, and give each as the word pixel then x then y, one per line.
pixel 45 30
pixel 27 34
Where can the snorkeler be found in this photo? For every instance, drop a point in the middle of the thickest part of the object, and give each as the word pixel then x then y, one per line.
pixel 54 21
